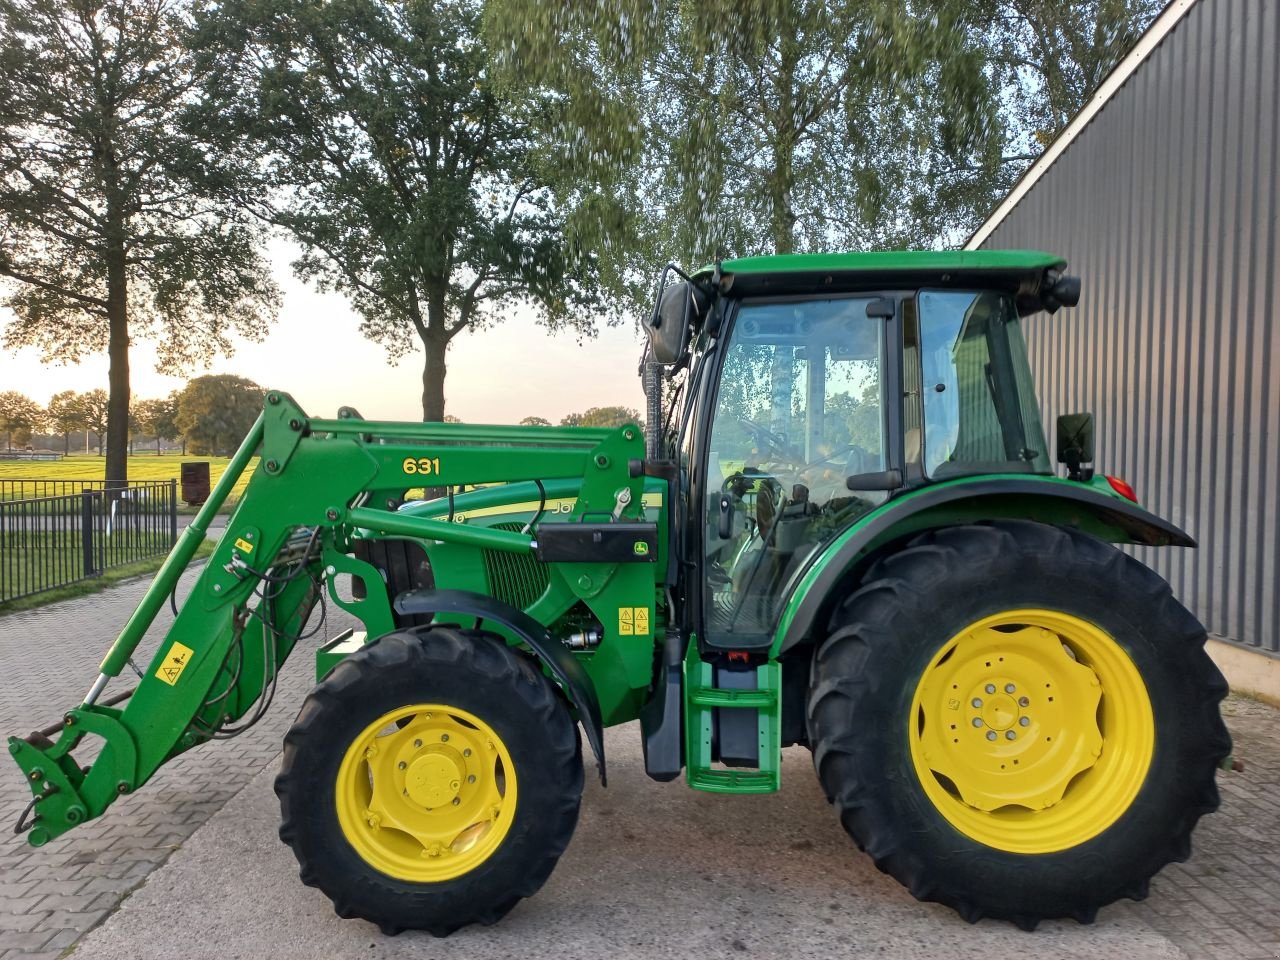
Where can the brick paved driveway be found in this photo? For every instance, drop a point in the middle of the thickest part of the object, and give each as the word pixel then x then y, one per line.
pixel 48 657
pixel 1221 904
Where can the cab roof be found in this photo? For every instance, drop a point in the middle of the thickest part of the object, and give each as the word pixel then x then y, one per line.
pixel 1015 270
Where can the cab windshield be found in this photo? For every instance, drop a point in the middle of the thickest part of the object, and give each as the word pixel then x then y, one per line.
pixel 980 411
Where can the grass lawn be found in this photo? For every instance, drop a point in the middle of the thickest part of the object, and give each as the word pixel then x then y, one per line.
pixel 141 467
pixel 53 553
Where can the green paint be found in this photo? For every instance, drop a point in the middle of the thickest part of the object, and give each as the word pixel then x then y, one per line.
pixel 323 491
pixel 888 261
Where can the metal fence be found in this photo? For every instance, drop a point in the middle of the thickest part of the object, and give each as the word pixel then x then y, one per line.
pixel 79 530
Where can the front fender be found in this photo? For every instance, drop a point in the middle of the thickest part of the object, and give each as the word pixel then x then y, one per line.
pixel 1051 500
pixel 564 666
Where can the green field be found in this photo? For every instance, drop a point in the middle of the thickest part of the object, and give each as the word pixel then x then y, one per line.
pixel 141 467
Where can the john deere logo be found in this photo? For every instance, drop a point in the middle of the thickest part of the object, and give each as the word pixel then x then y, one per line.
pixel 641 548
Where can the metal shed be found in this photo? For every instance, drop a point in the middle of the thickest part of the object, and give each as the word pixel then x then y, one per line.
pixel 1163 195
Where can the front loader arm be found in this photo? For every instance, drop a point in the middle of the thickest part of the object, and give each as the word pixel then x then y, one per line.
pixel 316 481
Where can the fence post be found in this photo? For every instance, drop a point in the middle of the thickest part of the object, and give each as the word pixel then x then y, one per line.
pixel 173 511
pixel 86 530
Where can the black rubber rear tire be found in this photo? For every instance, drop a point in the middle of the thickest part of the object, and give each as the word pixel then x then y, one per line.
pixel 886 634
pixel 471 671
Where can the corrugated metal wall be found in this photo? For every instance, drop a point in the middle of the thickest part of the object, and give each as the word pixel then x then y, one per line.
pixel 1167 206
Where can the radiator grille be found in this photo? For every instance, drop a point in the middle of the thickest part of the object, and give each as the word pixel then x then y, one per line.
pixel 516 578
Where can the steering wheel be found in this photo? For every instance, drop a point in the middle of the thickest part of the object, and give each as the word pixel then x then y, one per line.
pixel 768 438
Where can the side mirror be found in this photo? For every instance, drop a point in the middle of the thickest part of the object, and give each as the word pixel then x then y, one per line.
pixel 1075 442
pixel 668 325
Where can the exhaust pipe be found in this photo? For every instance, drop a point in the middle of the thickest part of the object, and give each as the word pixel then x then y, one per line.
pixel 652 381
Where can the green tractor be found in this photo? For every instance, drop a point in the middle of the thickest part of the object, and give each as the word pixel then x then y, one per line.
pixel 840 528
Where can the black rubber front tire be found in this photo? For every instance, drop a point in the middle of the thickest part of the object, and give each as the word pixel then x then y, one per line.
pixel 886 634
pixel 470 671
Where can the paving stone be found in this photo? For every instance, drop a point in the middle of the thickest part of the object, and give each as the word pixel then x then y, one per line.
pixel 48 658
pixel 1222 903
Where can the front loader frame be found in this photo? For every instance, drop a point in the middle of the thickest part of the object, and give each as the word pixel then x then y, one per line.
pixel 318 484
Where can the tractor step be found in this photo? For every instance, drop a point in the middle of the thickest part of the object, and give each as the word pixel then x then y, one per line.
pixel 732 726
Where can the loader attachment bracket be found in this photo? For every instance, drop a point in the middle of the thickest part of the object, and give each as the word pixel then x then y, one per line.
pixel 562 664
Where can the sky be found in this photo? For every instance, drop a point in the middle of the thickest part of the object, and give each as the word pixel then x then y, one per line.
pixel 315 353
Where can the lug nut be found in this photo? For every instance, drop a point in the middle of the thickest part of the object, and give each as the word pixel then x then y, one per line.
pixel 466 752
pixel 1024 721
pixel 1009 688
pixel 417 743
pixel 471 779
pixel 991 734
pixel 1010 735
pixel 991 688
pixel 1023 702
pixel 402 765
pixel 977 701
pixel 444 738
pixel 977 721
pixel 456 801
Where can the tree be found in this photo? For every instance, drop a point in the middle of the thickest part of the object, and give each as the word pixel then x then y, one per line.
pixel 215 412
pixel 535 422
pixel 810 124
pixel 603 417
pixel 151 417
pixel 95 408
pixel 20 415
pixel 1057 52
pixel 806 124
pixel 65 415
pixel 110 222
pixel 409 183
pixel 164 420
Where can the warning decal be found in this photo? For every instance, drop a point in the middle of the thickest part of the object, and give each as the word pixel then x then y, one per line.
pixel 633 621
pixel 175 661
pixel 243 545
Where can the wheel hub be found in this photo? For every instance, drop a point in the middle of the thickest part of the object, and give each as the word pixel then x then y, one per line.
pixel 1011 753
pixel 433 780
pixel 1000 712
pixel 1031 711
pixel 426 793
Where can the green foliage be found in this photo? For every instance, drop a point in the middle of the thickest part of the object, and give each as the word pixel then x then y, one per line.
pixel 535 422
pixel 113 226
pixel 19 417
pixel 216 411
pixel 65 414
pixel 603 417
pixel 152 418
pixel 1055 53
pixel 94 410
pixel 405 177
pixel 758 126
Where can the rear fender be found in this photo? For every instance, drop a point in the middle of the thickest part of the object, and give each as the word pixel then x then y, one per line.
pixel 1050 500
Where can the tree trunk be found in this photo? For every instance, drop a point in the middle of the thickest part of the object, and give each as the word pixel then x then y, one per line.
pixel 435 343
pixel 117 474
pixel 433 371
pixel 157 446
pixel 66 444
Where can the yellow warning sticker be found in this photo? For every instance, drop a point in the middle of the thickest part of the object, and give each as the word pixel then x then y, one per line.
pixel 633 621
pixel 243 545
pixel 175 661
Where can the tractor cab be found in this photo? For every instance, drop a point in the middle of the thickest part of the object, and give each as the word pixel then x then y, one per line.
pixel 818 387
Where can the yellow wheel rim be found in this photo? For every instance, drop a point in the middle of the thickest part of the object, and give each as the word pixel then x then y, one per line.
pixel 426 793
pixel 1031 731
